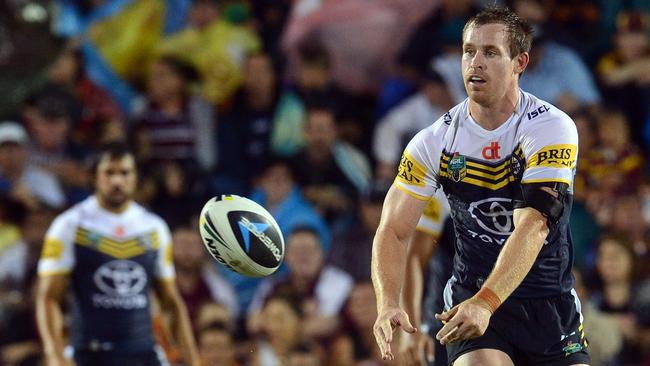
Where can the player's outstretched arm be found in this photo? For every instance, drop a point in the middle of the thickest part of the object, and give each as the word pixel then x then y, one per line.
pixel 415 349
pixel 470 318
pixel 172 304
pixel 398 219
pixel 49 317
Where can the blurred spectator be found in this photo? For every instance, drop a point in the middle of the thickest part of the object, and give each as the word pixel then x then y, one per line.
pixel 352 249
pixel 216 346
pixel 362 36
pixel 616 165
pixel 624 70
pixel 585 230
pixel 640 354
pixel 270 17
pixel 320 289
pixel 602 331
pixel 312 84
pixel 278 193
pixel 19 343
pixel 556 73
pixel 50 119
pixel 100 117
pixel 117 37
pixel 430 37
pixel 12 213
pixel 280 332
pixel 196 276
pixel 331 172
pixel 175 124
pixel 306 354
pixel 19 178
pixel 394 131
pixel 616 270
pixel 356 344
pixel 245 132
pixel 215 46
pixel 18 262
pixel 213 313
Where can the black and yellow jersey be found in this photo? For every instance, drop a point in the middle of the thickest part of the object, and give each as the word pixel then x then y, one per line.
pixel 112 260
pixel 481 172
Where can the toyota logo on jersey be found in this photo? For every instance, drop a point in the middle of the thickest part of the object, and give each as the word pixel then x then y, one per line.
pixel 492 215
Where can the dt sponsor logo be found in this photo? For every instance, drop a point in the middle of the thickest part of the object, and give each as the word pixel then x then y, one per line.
pixel 492 152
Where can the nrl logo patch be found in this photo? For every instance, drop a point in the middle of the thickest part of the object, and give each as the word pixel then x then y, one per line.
pixel 457 167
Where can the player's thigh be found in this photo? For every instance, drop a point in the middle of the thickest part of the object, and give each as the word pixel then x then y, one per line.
pixel 484 357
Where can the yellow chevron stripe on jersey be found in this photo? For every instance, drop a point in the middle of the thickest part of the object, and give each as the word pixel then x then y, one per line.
pixel 120 249
pixel 479 173
pixel 481 183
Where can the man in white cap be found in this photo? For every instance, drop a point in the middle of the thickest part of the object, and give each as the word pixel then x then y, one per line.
pixel 19 179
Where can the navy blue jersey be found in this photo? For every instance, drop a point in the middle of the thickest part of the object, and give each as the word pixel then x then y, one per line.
pixel 112 260
pixel 482 171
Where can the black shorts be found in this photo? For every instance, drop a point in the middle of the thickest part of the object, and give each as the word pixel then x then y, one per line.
pixel 546 331
pixel 155 357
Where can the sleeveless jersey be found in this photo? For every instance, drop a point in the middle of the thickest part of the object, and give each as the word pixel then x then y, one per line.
pixel 482 171
pixel 112 260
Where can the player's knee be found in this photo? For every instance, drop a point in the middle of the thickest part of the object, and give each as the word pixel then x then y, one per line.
pixel 484 357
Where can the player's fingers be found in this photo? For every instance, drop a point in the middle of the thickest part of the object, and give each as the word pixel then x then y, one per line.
pixel 451 324
pixel 380 339
pixel 402 320
pixel 429 350
pixel 446 315
pixel 450 336
pixel 387 330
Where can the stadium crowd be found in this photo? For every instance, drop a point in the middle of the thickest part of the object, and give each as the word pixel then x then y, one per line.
pixel 305 107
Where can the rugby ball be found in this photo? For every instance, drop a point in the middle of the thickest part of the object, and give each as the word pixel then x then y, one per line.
pixel 241 235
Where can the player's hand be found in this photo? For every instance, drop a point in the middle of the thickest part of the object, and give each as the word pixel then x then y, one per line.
pixel 416 349
pixel 467 320
pixel 58 360
pixel 389 318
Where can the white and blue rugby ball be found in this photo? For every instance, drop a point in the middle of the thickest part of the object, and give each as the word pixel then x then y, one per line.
pixel 242 235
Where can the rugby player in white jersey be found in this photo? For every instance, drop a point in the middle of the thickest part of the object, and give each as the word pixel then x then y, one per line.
pixel 505 160
pixel 109 252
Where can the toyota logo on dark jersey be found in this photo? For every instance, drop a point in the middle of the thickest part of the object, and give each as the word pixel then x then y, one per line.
pixel 493 215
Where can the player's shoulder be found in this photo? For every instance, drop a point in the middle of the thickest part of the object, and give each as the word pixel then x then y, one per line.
pixel 437 131
pixel 539 115
pixel 74 214
pixel 147 217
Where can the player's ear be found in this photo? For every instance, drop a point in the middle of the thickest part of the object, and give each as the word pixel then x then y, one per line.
pixel 520 62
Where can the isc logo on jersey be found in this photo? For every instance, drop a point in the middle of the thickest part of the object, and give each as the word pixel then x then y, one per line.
pixel 242 235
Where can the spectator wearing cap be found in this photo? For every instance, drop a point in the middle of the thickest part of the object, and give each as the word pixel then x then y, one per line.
pixel 50 119
pixel 19 178
pixel 352 249
pixel 405 120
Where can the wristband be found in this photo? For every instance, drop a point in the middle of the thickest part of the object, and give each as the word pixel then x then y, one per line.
pixel 490 298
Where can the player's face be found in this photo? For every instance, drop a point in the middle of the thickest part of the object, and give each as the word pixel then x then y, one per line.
pixel 116 180
pixel 488 71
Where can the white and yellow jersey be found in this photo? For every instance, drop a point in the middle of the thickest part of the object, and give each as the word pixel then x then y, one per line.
pixel 434 215
pixel 112 260
pixel 481 172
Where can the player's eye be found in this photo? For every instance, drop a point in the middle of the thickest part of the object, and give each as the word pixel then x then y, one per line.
pixel 491 53
pixel 470 52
